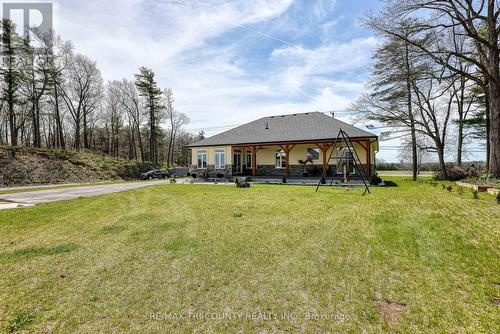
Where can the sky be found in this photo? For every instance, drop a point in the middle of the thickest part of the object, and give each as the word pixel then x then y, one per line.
pixel 230 62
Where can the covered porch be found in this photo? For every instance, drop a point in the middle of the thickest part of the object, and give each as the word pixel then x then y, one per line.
pixel 299 159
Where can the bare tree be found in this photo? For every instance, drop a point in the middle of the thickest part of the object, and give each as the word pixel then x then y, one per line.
pixel 80 92
pixel 479 21
pixel 129 99
pixel 435 107
pixel 397 65
pixel 176 121
pixel 61 56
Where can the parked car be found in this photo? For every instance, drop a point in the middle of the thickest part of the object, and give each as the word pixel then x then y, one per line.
pixel 154 174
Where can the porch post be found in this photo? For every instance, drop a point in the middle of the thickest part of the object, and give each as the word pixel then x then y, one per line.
pixel 287 149
pixel 254 160
pixel 324 150
pixel 368 158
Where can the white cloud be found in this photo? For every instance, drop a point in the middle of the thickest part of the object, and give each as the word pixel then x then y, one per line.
pixel 183 42
pixel 302 63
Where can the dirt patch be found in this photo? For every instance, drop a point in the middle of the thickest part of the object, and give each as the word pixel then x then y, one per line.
pixel 496 301
pixel 391 309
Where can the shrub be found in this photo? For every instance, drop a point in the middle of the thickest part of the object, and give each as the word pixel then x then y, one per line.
pixel 375 180
pixel 449 188
pixel 475 194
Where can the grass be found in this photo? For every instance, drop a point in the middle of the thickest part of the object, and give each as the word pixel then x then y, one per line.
pixel 174 258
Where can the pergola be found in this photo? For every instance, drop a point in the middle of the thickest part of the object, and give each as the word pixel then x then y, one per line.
pixel 287 147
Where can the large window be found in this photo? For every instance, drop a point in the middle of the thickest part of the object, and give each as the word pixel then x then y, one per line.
pixel 345 161
pixel 220 159
pixel 201 156
pixel 280 159
pixel 249 160
pixel 313 153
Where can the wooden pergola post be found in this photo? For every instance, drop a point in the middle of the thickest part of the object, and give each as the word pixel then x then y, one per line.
pixel 324 150
pixel 254 160
pixel 368 158
pixel 287 148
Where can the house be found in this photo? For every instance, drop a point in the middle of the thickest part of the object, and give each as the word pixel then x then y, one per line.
pixel 285 145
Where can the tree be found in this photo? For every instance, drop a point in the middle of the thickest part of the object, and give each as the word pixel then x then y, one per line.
pixel 435 102
pixel 11 77
pixel 129 99
pixel 176 121
pixel 81 94
pixel 396 67
pixel 59 61
pixel 152 95
pixel 479 21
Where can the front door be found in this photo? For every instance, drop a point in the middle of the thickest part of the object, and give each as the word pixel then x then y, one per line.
pixel 237 163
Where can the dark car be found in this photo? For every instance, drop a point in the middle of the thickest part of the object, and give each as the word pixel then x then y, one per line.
pixel 154 174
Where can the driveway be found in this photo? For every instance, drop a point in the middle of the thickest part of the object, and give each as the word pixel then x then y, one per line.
pixel 44 196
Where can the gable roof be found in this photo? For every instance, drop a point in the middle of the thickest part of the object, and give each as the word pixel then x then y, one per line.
pixel 285 128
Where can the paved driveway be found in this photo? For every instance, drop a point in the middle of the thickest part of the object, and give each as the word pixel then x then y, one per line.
pixel 52 195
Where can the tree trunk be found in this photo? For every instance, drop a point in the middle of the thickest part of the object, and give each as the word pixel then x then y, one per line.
pixel 60 134
pixel 85 131
pixel 494 127
pixel 12 115
pixel 141 146
pixel 410 114
pixel 442 164
pixel 77 136
pixel 460 141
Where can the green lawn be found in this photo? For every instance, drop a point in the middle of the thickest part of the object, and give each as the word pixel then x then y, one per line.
pixel 406 259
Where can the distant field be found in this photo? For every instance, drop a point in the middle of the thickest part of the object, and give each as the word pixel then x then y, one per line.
pixel 411 258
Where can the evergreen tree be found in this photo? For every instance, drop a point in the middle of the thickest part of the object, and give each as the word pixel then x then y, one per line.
pixel 11 76
pixel 152 94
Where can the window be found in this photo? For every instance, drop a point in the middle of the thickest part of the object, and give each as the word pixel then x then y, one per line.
pixel 219 159
pixel 201 156
pixel 345 159
pixel 313 153
pixel 280 159
pixel 249 160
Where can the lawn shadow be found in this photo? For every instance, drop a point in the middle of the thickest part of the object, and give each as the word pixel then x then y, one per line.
pixel 390 184
pixel 111 229
pixel 30 252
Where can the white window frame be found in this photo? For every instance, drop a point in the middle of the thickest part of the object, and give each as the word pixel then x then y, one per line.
pixel 352 167
pixel 203 156
pixel 220 163
pixel 315 149
pixel 281 159
pixel 249 159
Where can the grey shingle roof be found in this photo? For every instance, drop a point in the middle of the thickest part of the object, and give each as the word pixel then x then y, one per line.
pixel 285 128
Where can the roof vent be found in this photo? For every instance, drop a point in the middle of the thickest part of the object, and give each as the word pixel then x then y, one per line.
pixel 282 116
pixel 306 113
pixel 272 117
pixel 267 125
pixel 294 114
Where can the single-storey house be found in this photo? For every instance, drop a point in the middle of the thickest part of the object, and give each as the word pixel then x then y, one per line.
pixel 284 145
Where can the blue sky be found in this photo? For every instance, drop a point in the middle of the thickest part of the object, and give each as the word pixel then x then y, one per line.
pixel 230 62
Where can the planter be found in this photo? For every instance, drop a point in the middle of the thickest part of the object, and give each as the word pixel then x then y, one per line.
pixel 479 187
pixel 493 191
